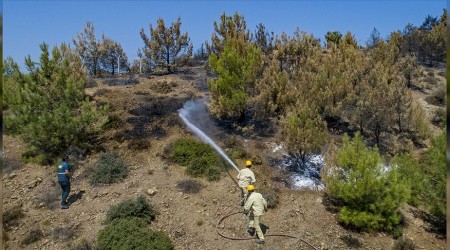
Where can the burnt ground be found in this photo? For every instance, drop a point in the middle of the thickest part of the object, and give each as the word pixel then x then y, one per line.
pixel 146 124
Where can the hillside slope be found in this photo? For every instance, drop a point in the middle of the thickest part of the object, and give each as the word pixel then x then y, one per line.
pixel 148 109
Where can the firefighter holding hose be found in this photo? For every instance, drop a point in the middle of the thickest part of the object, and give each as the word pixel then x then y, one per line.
pixel 255 206
pixel 245 178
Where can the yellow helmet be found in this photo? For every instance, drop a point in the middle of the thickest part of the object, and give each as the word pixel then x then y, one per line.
pixel 248 163
pixel 250 188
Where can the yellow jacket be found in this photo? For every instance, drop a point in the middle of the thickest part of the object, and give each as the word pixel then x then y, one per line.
pixel 256 203
pixel 245 177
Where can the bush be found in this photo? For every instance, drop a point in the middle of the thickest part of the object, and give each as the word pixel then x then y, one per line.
pixel 440 118
pixel 62 233
pixel 12 215
pixel 270 196
pixel 199 159
pixel 113 122
pixel 438 97
pixel 35 155
pixel 189 186
pixel 138 144
pixel 409 173
pixel 108 169
pixel 132 233
pixel 83 244
pixel 33 236
pixel 132 208
pixel 236 153
pixel 404 244
pixel 370 191
pixel 434 165
pixel 164 87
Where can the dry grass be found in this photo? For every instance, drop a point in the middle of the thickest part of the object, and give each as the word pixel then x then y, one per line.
pixel 33 236
pixel 12 215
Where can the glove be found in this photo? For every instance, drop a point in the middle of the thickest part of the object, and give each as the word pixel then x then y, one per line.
pixel 245 212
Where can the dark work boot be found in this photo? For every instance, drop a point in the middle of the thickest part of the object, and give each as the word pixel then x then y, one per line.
pixel 259 241
pixel 251 231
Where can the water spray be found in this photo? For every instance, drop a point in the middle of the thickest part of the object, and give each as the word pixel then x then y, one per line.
pixel 185 114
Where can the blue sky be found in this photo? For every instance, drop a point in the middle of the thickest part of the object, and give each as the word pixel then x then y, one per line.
pixel 29 23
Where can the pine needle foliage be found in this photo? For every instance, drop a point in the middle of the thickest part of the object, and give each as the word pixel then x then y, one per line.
pixel 48 106
pixel 236 70
pixel 370 191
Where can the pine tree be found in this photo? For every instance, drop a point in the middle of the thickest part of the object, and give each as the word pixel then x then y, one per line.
pixel 435 175
pixel 333 38
pixel 410 174
pixel 111 53
pixel 370 192
pixel 50 110
pixel 350 40
pixel 166 46
pixel 275 92
pixel 236 70
pixel 88 48
pixel 304 131
pixel 263 39
pixel 230 27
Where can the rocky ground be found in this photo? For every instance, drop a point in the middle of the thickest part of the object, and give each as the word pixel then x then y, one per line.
pixel 148 108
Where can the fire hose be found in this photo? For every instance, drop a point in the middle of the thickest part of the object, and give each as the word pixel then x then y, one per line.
pixel 230 213
pixel 251 238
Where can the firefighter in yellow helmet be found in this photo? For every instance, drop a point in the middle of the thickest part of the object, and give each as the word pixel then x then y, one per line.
pixel 245 178
pixel 255 206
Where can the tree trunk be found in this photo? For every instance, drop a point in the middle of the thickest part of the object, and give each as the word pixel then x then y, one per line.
pixel 112 67
pixel 377 133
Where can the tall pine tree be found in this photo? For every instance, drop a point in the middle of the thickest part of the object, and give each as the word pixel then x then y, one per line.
pixel 50 109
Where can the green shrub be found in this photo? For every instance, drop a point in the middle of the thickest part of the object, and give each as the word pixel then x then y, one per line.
pixel 199 159
pixel 434 165
pixel 132 233
pixel 370 192
pixel 108 169
pixel 132 208
pixel 35 155
pixel 409 173
pixel 236 153
pixel 397 232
